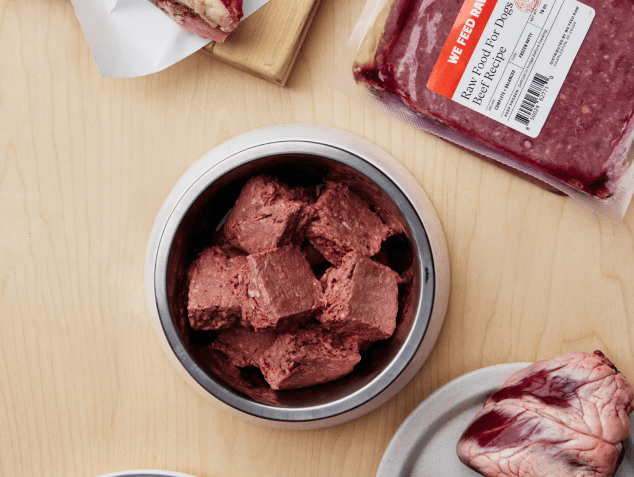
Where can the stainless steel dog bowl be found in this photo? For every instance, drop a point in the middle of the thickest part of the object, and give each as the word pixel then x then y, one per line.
pixel 299 154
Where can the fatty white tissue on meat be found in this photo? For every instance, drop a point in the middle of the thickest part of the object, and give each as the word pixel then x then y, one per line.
pixel 213 10
pixel 562 417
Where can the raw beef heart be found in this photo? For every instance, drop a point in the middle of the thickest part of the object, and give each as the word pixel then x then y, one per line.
pixel 563 417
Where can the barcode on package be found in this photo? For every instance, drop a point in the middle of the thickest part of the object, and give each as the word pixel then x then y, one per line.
pixel 508 59
pixel 531 99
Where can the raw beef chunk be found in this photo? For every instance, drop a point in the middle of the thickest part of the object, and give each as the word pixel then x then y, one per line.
pixel 308 357
pixel 268 214
pixel 562 417
pixel 344 223
pixel 220 240
pixel 588 131
pixel 243 346
pixel 213 19
pixel 361 299
pixel 217 288
pixel 255 288
pixel 282 290
pixel 313 256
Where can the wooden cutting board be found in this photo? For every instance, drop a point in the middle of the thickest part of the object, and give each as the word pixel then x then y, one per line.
pixel 267 43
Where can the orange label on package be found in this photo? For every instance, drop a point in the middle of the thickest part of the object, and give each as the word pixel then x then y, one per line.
pixel 460 46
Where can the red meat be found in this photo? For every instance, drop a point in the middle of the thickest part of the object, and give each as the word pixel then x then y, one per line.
pixel 308 357
pixel 268 214
pixel 217 288
pixel 361 299
pixel 243 346
pixel 282 291
pixel 562 417
pixel 344 223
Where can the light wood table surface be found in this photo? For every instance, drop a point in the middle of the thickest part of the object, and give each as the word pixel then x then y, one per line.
pixel 85 164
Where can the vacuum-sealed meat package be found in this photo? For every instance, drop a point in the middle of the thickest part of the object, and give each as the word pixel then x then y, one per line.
pixel 543 86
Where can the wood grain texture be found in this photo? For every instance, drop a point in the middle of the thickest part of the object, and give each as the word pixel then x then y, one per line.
pixel 85 164
pixel 267 43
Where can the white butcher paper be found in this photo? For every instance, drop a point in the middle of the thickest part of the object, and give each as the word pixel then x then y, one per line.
pixel 130 38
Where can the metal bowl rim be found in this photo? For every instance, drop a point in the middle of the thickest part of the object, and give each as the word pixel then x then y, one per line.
pixel 425 304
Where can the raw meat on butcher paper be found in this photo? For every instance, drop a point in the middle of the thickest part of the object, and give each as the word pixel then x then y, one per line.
pixel 213 19
pixel 563 417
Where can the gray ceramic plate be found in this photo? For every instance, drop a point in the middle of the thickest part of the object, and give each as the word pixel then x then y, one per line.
pixel 425 444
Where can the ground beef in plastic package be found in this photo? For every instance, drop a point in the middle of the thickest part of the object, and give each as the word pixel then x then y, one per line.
pixel 587 134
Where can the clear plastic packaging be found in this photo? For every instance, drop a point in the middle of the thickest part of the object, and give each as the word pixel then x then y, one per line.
pixel 584 148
